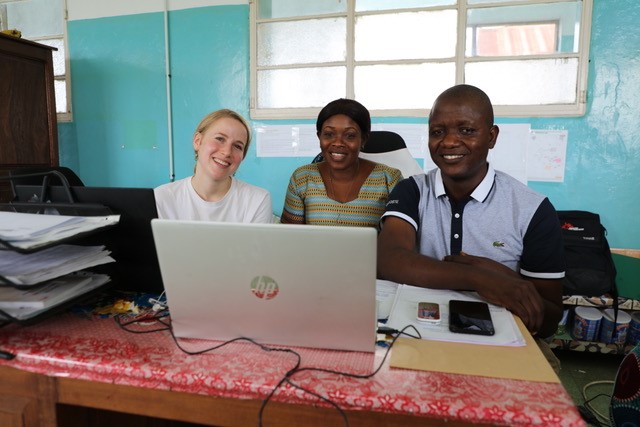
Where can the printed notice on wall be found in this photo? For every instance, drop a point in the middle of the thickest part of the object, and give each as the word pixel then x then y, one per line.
pixel 302 141
pixel 546 155
pixel 287 141
pixel 524 153
pixel 509 155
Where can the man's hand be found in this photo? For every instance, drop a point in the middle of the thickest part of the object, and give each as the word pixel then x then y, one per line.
pixel 507 289
pixel 538 302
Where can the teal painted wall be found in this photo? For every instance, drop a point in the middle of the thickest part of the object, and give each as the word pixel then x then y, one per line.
pixel 118 99
pixel 119 133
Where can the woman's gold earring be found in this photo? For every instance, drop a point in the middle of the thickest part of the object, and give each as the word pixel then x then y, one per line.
pixel 196 156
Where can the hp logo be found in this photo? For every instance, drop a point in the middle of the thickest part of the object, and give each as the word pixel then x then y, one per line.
pixel 264 287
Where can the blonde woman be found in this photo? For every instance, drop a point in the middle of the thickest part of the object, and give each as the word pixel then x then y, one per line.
pixel 220 143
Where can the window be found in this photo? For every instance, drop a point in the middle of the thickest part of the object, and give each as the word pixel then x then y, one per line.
pixel 43 21
pixel 514 39
pixel 531 57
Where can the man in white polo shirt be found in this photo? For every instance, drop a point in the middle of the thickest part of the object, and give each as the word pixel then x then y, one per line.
pixel 466 226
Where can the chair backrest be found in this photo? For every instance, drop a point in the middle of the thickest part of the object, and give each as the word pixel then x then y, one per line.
pixel 36 176
pixel 388 148
pixel 383 141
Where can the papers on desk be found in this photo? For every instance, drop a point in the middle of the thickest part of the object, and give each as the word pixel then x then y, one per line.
pixel 30 269
pixel 385 295
pixel 21 304
pixel 37 273
pixel 24 231
pixel 405 307
pixel 42 296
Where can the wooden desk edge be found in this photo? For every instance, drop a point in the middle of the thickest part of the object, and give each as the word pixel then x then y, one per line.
pixel 220 411
pixel 32 398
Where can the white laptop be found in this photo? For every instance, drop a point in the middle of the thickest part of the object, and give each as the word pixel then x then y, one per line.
pixel 292 285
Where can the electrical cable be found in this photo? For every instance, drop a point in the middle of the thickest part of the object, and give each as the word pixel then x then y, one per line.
pixel 601 418
pixel 158 303
pixel 137 320
pixel 287 377
pixel 391 331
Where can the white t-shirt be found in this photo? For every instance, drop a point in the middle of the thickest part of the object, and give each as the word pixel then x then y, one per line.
pixel 242 203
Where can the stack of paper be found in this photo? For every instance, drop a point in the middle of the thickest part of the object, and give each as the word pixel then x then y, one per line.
pixel 38 273
pixel 30 269
pixel 385 295
pixel 23 304
pixel 26 231
pixel 405 308
pixel 48 294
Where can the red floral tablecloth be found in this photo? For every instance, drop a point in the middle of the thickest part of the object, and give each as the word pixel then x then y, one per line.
pixel 98 349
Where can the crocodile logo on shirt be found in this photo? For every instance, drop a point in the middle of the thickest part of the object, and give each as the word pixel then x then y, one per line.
pixel 498 244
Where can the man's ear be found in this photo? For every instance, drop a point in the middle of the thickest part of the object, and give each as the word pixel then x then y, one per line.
pixel 494 131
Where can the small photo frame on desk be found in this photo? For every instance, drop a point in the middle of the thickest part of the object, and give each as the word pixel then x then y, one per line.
pixel 429 312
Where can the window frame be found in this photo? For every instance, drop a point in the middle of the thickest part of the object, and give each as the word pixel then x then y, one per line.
pixel 578 108
pixel 66 116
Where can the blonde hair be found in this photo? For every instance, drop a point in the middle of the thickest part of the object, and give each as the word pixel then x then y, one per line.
pixel 213 117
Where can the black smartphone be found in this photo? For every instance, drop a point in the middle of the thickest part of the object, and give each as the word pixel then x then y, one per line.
pixel 470 317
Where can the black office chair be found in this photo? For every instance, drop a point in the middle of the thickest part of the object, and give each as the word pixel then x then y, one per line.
pixel 383 141
pixel 389 148
pixel 45 176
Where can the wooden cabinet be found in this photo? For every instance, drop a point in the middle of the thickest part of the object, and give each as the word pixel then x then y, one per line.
pixel 28 124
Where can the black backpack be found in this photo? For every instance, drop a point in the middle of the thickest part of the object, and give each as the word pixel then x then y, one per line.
pixel 590 270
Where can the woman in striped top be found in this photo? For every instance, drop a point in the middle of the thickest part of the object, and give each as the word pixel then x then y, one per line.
pixel 343 189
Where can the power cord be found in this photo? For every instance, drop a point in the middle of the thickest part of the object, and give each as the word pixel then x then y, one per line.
pixel 588 412
pixel 287 378
pixel 158 303
pixel 391 331
pixel 140 321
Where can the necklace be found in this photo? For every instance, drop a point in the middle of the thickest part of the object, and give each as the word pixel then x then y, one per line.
pixel 353 179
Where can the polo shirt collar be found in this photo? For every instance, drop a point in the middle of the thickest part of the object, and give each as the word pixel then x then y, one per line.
pixel 480 193
pixel 482 190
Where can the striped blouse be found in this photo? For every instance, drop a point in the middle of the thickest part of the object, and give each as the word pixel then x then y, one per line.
pixel 307 198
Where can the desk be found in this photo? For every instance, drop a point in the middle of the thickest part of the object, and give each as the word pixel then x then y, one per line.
pixel 91 362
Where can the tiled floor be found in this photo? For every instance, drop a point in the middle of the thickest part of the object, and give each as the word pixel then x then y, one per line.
pixel 580 369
